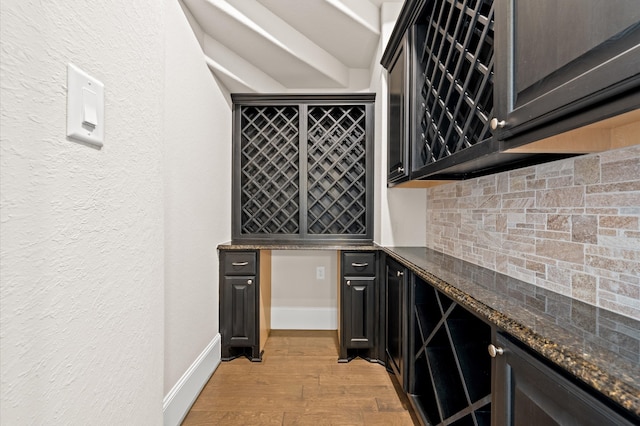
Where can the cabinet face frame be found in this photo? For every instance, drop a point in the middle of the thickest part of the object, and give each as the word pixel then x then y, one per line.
pixel 303 103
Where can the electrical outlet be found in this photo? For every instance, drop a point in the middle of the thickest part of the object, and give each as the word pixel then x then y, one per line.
pixel 320 273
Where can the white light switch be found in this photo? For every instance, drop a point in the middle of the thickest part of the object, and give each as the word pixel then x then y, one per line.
pixel 85 107
pixel 320 273
pixel 89 107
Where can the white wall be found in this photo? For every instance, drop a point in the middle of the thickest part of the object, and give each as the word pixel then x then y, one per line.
pixel 197 195
pixel 300 301
pixel 81 252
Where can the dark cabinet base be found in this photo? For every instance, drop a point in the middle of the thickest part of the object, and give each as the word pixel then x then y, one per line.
pixel 253 353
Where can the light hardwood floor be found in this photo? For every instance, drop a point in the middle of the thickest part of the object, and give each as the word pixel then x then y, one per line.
pixel 299 382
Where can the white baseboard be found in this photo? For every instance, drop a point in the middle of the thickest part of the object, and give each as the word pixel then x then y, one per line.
pixel 178 401
pixel 304 318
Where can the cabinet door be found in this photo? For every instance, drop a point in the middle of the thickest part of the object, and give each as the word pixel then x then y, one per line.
pixel 395 329
pixel 561 56
pixel 527 392
pixel 239 305
pixel 359 305
pixel 398 150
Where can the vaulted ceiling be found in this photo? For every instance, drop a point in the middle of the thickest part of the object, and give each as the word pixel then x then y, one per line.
pixel 289 45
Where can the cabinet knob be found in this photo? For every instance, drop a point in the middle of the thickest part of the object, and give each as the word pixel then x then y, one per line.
pixel 249 282
pixel 494 351
pixel 497 124
pixel 399 273
pixel 400 170
pixel 348 282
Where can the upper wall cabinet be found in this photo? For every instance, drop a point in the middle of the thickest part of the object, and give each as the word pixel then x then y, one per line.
pixel 302 168
pixel 559 57
pixel 485 77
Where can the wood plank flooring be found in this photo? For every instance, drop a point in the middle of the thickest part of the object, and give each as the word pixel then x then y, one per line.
pixel 300 382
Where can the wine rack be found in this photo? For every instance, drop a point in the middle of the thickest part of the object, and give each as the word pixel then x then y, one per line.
pixel 449 367
pixel 303 168
pixel 454 42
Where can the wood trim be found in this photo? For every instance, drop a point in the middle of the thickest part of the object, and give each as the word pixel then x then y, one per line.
pixel 339 295
pixel 308 98
pixel 616 132
pixel 422 183
pixel 265 296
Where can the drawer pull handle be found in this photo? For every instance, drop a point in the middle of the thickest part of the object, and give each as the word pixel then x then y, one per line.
pixel 359 265
pixel 240 263
pixel 399 273
pixel 249 282
pixel 349 283
pixel 494 351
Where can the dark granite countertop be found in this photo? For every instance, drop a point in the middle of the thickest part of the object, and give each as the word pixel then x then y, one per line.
pixel 297 246
pixel 598 347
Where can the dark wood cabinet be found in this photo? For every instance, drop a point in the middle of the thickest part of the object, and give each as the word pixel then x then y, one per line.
pixel 485 78
pixel 239 308
pixel 560 57
pixel 303 168
pixel 529 392
pixel 398 143
pixel 357 314
pixel 396 319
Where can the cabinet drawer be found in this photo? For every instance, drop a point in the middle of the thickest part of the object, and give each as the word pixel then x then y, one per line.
pixel 240 263
pixel 359 264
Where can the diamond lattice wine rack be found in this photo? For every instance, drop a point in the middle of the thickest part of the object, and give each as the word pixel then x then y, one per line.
pixel 454 58
pixel 303 168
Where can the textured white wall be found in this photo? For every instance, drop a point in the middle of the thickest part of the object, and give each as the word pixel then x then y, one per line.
pixel 81 252
pixel 197 195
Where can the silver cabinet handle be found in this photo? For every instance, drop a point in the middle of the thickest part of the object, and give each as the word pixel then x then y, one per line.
pixel 494 351
pixel 400 169
pixel 349 283
pixel 249 282
pixel 359 265
pixel 399 273
pixel 240 263
pixel 497 124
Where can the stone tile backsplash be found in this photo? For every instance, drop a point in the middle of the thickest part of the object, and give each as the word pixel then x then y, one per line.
pixel 571 226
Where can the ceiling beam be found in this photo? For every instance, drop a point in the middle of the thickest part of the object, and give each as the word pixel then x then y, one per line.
pixel 364 13
pixel 239 75
pixel 272 28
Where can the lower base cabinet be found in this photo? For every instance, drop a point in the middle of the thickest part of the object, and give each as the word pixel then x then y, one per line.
pixel 449 369
pixel 396 320
pixel 529 392
pixel 358 301
pixel 239 310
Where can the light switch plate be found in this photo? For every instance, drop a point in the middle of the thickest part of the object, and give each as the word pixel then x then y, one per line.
pixel 80 106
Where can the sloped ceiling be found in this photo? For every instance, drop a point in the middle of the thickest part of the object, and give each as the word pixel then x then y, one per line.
pixel 267 46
